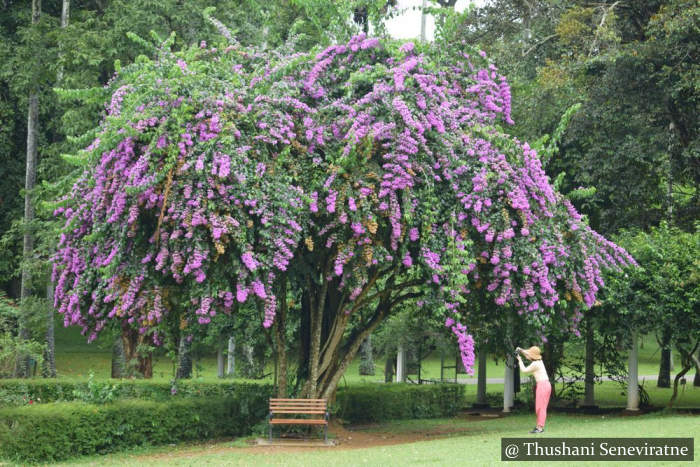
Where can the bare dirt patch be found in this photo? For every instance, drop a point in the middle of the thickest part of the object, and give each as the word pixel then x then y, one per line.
pixel 350 437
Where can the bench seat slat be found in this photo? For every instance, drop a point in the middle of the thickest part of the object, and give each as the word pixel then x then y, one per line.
pixel 314 404
pixel 298 400
pixel 313 409
pixel 298 421
pixel 298 405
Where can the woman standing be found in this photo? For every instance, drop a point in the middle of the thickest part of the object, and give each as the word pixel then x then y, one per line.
pixel 543 389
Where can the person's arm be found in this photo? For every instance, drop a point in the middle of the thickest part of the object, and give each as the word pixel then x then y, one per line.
pixel 525 369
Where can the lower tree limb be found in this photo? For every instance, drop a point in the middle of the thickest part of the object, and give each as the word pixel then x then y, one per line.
pixel 687 363
pixel 328 389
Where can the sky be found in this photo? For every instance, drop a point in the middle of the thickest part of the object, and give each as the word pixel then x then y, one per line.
pixel 407 25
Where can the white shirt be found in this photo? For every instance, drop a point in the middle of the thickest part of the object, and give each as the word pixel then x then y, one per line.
pixel 536 368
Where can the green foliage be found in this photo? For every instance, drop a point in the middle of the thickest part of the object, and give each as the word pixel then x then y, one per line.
pixel 634 70
pixel 665 291
pixel 96 392
pixel 51 432
pixel 11 346
pixel 106 391
pixel 61 62
pixel 377 403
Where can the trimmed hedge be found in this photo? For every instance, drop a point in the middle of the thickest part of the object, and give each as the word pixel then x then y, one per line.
pixel 46 432
pixel 47 390
pixel 51 432
pixel 382 402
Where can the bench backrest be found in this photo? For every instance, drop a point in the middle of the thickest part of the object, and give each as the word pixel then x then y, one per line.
pixel 299 406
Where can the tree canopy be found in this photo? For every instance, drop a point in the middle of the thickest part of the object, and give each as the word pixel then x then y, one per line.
pixel 357 177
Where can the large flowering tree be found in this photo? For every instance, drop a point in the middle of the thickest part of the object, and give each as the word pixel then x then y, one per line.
pixel 332 186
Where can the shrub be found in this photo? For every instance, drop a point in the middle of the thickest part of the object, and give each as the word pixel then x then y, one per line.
pixel 377 403
pixel 51 432
pixel 11 347
pixel 197 411
pixel 13 391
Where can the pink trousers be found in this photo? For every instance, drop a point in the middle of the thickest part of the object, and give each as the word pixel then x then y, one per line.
pixel 542 392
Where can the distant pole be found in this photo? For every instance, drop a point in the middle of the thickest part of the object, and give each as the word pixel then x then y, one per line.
pixel 633 382
pixel 508 384
pixel 423 18
pixel 400 364
pixel 231 358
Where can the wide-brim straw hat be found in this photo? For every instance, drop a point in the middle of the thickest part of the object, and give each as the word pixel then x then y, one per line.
pixel 533 353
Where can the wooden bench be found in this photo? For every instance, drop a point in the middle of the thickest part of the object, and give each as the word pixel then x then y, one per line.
pixel 310 409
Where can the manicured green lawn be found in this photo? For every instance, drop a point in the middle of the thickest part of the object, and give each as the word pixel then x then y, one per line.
pixel 480 445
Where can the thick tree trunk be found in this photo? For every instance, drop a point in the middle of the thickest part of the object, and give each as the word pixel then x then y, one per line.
pixel 49 370
pixel 389 369
pixel 317 309
pixel 281 343
pixel 327 348
pixel 184 359
pixel 589 379
pixel 145 365
pixel 481 377
pixel 327 390
pixel 118 359
pixel 22 368
pixel 664 379
pixel 136 362
pixel 366 358
pixel 231 357
pixel 696 360
pixel 633 381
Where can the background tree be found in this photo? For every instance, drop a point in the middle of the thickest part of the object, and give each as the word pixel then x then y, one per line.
pixel 665 288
